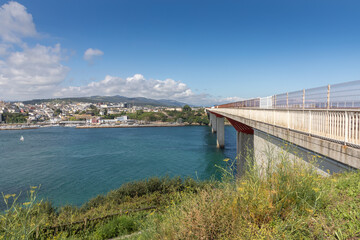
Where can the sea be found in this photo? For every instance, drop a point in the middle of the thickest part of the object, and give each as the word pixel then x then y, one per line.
pixel 74 165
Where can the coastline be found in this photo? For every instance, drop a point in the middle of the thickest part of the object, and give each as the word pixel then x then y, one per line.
pixel 155 124
pixel 19 128
pixel 132 126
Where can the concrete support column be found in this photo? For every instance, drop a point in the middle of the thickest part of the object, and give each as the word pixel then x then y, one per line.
pixel 244 151
pixel 220 132
pixel 213 122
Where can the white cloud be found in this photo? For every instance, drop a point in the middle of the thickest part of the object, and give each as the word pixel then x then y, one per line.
pixel 90 54
pixel 16 23
pixel 31 73
pixel 26 72
pixel 135 86
pixel 139 86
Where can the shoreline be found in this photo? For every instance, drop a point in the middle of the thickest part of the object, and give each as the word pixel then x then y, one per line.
pixel 18 128
pixel 131 126
pixel 23 127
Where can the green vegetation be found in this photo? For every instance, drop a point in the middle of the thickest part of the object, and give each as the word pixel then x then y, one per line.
pixel 20 221
pixel 285 200
pixel 187 115
pixel 14 118
pixel 116 227
pixel 57 112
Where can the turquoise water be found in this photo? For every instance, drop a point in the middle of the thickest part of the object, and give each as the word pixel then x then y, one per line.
pixel 74 165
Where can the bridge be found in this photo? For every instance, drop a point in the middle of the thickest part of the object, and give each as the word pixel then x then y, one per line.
pixel 322 121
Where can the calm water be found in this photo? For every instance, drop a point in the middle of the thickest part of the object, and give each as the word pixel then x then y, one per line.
pixel 74 165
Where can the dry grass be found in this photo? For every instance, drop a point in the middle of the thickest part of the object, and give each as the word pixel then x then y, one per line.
pixel 290 201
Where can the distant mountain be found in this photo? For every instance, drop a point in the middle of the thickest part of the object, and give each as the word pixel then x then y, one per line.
pixel 137 101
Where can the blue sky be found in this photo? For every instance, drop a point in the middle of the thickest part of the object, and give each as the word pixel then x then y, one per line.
pixel 200 52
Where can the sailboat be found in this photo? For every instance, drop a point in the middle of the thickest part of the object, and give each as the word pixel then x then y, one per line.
pixel 22 138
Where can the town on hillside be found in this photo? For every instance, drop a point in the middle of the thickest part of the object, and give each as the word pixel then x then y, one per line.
pixel 19 115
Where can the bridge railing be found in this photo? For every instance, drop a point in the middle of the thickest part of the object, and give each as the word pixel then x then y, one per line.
pixel 341 126
pixel 337 96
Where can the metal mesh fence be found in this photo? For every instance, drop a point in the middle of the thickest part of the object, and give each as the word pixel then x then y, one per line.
pixel 337 96
pixel 345 95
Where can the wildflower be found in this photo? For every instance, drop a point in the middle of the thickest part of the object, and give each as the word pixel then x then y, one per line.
pixel 26 203
pixel 309 210
pixel 240 189
pixel 243 183
pixel 32 191
pixel 316 189
pixel 152 213
pixel 226 159
pixel 33 187
pixel 7 196
pixel 333 180
pixel 273 191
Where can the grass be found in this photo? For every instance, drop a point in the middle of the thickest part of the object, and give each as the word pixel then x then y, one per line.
pixel 287 200
pixel 290 200
pixel 155 192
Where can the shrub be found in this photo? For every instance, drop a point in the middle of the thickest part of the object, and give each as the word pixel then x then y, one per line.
pixel 116 227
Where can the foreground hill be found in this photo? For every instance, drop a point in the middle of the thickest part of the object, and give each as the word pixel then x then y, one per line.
pixel 288 200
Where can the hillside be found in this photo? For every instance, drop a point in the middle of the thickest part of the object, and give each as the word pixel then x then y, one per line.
pixel 138 101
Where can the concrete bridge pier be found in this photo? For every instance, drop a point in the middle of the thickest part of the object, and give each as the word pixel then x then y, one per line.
pixel 220 132
pixel 244 150
pixel 213 122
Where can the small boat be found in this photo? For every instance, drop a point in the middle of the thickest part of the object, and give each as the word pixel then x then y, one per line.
pixel 22 138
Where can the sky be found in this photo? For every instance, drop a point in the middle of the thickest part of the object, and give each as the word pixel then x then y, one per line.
pixel 194 51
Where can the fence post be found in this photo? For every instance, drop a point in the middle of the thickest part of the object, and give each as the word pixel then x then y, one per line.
pixel 303 106
pixel 274 116
pixel 288 118
pixel 310 122
pixel 274 101
pixel 346 127
pixel 287 100
pixel 328 97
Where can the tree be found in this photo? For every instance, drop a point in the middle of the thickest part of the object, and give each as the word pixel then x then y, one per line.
pixel 186 108
pixel 14 118
pixel 57 111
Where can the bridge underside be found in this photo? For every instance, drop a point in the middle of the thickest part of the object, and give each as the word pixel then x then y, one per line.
pixel 247 129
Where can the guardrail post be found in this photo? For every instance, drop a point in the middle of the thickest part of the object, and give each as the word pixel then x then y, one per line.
pixel 274 116
pixel 346 127
pixel 274 101
pixel 328 97
pixel 288 118
pixel 310 122
pixel 287 100
pixel 303 106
